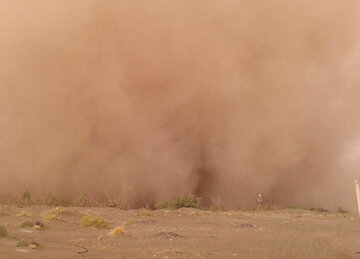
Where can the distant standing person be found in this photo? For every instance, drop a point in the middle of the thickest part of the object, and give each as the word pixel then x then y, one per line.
pixel 259 201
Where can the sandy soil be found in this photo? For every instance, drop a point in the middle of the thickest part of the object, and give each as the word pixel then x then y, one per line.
pixel 184 233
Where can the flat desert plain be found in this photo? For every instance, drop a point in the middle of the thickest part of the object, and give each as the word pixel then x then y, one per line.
pixel 182 233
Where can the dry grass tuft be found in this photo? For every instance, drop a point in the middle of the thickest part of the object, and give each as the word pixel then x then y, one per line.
pixel 167 213
pixel 199 213
pixel 27 224
pixel 53 214
pixel 22 244
pixel 228 213
pixel 121 199
pixel 51 200
pixel 175 253
pixel 119 230
pixel 82 200
pixel 189 201
pixel 217 208
pixel 2 213
pixel 91 221
pixel 24 214
pixel 319 209
pixel 36 227
pixel 3 232
pixel 341 210
pixel 25 200
pixel 145 213
pixel 130 222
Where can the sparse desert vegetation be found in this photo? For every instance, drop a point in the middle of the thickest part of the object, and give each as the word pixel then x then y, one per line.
pixel 82 200
pixel 27 224
pixel 188 201
pixel 217 208
pixel 3 232
pixel 93 221
pixel 53 214
pixel 27 199
pixel 341 210
pixel 191 232
pixel 119 230
pixel 24 214
pixel 319 209
pixel 22 243
pixel 179 221
pixel 144 213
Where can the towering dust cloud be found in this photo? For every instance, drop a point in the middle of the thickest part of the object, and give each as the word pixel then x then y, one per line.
pixel 223 99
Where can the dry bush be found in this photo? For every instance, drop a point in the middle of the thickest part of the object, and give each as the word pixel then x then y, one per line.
pixel 217 208
pixel 51 200
pixel 26 224
pixel 119 230
pixel 22 244
pixel 167 213
pixel 319 209
pixel 145 213
pixel 36 227
pixel 2 213
pixel 217 204
pixel 3 232
pixel 82 200
pixel 188 201
pixel 341 210
pixel 24 214
pixel 121 200
pixel 25 200
pixel 130 222
pixel 270 205
pixel 92 221
pixel 53 214
pixel 199 213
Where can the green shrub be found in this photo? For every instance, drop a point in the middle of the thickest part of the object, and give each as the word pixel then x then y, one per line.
pixel 188 201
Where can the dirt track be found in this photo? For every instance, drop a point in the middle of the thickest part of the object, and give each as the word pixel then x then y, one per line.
pixel 186 233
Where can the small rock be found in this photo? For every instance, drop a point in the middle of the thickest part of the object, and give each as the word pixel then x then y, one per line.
pixel 169 235
pixel 26 231
pixel 39 223
pixel 246 225
pixel 34 243
pixel 21 250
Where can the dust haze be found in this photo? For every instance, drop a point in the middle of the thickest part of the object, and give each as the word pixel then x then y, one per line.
pixel 223 99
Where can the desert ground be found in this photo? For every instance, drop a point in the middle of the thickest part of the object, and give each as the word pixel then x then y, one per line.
pixel 182 233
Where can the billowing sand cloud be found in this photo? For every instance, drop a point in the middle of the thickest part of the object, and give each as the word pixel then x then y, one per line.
pixel 223 99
